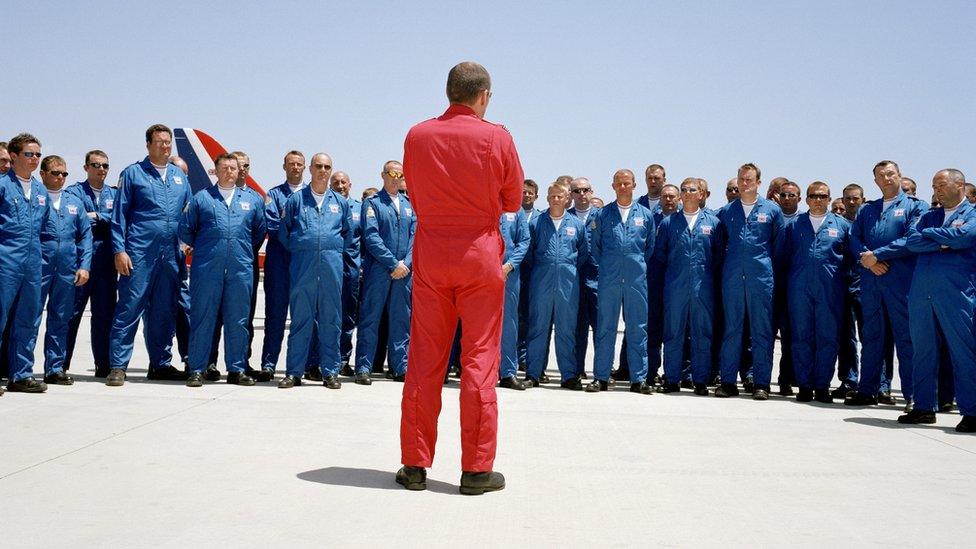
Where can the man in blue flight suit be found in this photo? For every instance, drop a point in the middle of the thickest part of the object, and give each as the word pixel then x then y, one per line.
pixel 941 301
pixel 878 239
pixel 530 192
pixel 847 359
pixel 352 270
pixel 817 250
pixel 581 192
pixel 389 224
pixel 182 320
pixel 754 227
pixel 688 253
pixel 314 227
pixel 148 205
pixel 622 245
pixel 558 247
pixel 223 225
pixel 514 228
pixel 66 252
pixel 787 195
pixel 98 200
pixel 24 208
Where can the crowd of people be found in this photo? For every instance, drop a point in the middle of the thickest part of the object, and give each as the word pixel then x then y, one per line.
pixel 846 284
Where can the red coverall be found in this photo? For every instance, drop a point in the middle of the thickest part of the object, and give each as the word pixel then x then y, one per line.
pixel 462 174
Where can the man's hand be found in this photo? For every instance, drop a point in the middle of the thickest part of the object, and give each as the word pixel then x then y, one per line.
pixel 401 271
pixel 92 215
pixel 123 264
pixel 81 277
pixel 879 268
pixel 507 268
pixel 868 260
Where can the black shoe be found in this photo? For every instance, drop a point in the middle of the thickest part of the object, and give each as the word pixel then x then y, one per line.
pixel 530 382
pixel 861 399
pixel 212 373
pixel 399 378
pixel 786 390
pixel 687 384
pixel 521 366
pixel 701 389
pixel 101 371
pixel 288 382
pixel 596 386
pixel 115 377
pixel 726 390
pixel 760 394
pixel 59 378
pixel 475 484
pixel 167 373
pixel 887 398
pixel 823 396
pixel 804 395
pixel 544 378
pixel 917 416
pixel 456 371
pixel 909 406
pixel 748 386
pixel 262 376
pixel 642 388
pixel 512 382
pixel 346 370
pixel 573 384
pixel 195 380
pixel 388 374
pixel 26 385
pixel 946 407
pixel 670 387
pixel 620 375
pixel 843 391
pixel 332 382
pixel 313 375
pixel 583 375
pixel 967 425
pixel 364 379
pixel 716 381
pixel 412 478
pixel 238 378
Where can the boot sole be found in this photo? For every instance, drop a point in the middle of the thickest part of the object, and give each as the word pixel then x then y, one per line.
pixel 415 486
pixel 477 491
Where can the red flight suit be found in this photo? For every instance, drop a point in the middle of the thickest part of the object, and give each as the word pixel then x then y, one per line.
pixel 462 172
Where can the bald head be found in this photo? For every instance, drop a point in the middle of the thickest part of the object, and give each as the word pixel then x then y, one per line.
pixel 321 170
pixel 340 183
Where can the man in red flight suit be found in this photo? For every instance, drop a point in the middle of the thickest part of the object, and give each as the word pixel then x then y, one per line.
pixel 463 173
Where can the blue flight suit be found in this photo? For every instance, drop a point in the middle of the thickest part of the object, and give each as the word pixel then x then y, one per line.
pixel 554 260
pixel 515 232
pixel 884 299
pixel 103 283
pixel 144 225
pixel 531 215
pixel 387 240
pixel 688 261
pixel 317 238
pixel 351 280
pixel 781 313
pixel 622 250
pixel 942 305
pixel 21 220
pixel 655 301
pixel 752 246
pixel 66 247
pixel 224 239
pixel 587 314
pixel 818 263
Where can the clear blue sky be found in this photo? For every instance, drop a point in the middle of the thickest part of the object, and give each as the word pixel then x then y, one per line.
pixel 814 90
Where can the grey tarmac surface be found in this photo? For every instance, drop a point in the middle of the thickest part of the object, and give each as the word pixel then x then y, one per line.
pixel 156 464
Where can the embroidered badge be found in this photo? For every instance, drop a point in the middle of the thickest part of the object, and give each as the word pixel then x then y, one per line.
pixel 408 211
pixel 638 221
pixel 706 229
pixel 508 216
pixel 334 208
pixel 957 223
pixel 109 203
pixel 832 233
pixel 900 212
pixel 267 200
pixel 355 217
pixel 72 210
pixel 762 218
pixel 570 231
pixel 246 206
pixel 41 200
pixel 370 212
pixel 178 180
pixel 593 225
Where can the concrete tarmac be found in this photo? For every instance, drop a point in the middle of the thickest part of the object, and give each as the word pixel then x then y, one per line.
pixel 157 464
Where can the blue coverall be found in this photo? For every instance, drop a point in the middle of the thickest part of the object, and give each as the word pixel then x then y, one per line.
pixel 21 220
pixel 818 265
pixel 351 280
pixel 587 313
pixel 621 252
pixel 531 215
pixel 223 239
pixel 942 305
pixel 781 314
pixel 317 238
pixel 515 232
pixel 884 299
pixel 688 261
pixel 103 281
pixel 752 245
pixel 387 240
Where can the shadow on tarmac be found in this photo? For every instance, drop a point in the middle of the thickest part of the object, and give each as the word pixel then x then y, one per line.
pixel 368 478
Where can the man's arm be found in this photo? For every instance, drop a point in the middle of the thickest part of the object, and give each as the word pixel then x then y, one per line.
pixel 513 177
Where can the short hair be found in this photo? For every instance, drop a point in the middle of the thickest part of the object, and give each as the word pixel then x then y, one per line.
pixel 597 201
pixel 227 156
pixel 388 162
pixel 753 167
pixel 653 167
pixel 156 128
pixel 854 187
pixel 17 143
pixel 955 175
pixel 970 187
pixel 675 187
pixel 557 185
pixel 3 145
pixel 94 152
pixel 624 171
pixel 703 184
pixel 817 184
pixel 567 179
pixel 465 81
pixel 295 153
pixel 884 163
pixel 52 159
pixel 579 179
pixel 369 191
pixel 789 183
pixel 532 185
pixel 240 154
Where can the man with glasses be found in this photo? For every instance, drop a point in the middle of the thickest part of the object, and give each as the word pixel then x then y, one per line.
pixel 580 193
pixel 788 198
pixel 389 224
pixel 149 202
pixel 24 208
pixel 98 200
pixel 818 257
pixel 66 246
pixel 732 190
pixel 352 270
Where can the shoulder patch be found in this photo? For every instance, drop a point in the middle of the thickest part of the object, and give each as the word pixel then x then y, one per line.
pixel 370 212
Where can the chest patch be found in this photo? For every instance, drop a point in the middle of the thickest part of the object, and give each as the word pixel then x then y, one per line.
pixel 638 221
pixel 706 229
pixel 72 210
pixel 178 180
pixel 407 210
pixel 355 217
pixel 762 218
pixel 570 231
pixel 334 208
pixel 832 233
pixel 109 203
pixel 41 200
pixel 370 212
pixel 245 206
pixel 900 212
pixel 508 216
pixel 957 223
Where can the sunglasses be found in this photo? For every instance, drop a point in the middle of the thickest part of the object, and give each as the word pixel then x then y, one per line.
pixel 56 173
pixel 732 190
pixel 788 195
pixel 29 154
pixel 99 165
pixel 582 190
pixel 322 166
pixel 818 196
pixel 245 166
pixel 394 174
